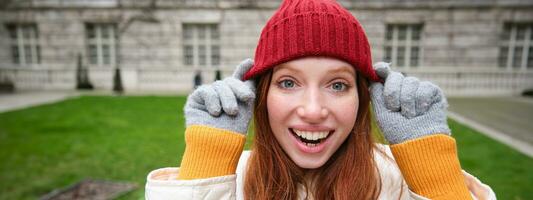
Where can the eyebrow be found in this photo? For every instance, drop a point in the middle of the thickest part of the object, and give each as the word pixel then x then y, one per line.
pixel 287 67
pixel 341 68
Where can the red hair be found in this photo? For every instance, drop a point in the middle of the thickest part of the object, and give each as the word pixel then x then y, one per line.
pixel 350 173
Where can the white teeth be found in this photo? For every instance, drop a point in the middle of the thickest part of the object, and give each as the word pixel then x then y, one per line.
pixel 311 144
pixel 308 135
pixel 311 135
pixel 304 134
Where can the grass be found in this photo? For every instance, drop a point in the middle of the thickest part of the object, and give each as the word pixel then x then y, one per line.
pixel 507 171
pixel 114 138
pixel 123 138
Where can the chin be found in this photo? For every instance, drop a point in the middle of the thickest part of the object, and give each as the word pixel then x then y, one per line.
pixel 309 163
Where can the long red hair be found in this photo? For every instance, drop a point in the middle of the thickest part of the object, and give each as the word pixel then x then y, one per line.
pixel 350 173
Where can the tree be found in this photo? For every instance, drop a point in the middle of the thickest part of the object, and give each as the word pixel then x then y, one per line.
pixel 117 82
pixel 218 75
pixel 146 15
pixel 82 76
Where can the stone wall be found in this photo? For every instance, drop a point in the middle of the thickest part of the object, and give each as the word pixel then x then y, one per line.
pixel 460 34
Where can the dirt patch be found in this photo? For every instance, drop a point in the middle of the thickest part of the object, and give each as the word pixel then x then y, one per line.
pixel 91 189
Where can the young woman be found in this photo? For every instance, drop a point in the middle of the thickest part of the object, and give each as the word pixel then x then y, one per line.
pixel 309 90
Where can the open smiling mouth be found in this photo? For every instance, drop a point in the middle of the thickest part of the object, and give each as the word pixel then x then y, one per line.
pixel 311 138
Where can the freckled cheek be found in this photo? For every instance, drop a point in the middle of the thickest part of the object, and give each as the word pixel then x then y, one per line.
pixel 346 111
pixel 278 107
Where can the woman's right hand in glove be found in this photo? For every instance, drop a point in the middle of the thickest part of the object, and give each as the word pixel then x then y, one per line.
pixel 225 104
pixel 217 117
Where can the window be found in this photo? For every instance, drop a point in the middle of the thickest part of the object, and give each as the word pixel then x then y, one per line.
pixel 25 48
pixel 516 49
pixel 201 45
pixel 402 44
pixel 101 44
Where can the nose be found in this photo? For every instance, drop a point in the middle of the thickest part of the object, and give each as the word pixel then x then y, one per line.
pixel 313 108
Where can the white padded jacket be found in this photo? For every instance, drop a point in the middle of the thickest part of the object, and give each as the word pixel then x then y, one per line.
pixel 162 184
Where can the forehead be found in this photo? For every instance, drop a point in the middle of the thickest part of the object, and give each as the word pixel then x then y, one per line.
pixel 315 65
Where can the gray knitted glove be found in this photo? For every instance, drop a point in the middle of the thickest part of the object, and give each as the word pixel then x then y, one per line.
pixel 225 104
pixel 407 108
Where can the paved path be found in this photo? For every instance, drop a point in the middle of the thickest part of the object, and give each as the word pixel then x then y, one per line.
pixel 20 100
pixel 506 119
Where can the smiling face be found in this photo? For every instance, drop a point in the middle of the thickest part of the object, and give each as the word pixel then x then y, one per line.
pixel 312 107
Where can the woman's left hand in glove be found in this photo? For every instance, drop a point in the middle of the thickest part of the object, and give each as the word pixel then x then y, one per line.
pixel 407 108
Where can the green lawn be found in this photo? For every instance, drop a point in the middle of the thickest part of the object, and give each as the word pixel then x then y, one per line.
pixel 123 138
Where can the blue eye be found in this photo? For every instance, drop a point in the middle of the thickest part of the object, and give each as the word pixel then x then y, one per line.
pixel 338 86
pixel 287 84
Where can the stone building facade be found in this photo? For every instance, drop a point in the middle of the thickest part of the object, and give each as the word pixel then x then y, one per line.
pixel 475 47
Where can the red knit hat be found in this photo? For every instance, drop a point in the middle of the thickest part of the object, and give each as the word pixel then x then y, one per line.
pixel 301 28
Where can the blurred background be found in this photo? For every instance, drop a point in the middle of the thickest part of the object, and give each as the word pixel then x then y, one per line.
pixel 93 89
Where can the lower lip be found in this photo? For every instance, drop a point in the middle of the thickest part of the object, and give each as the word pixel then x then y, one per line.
pixel 307 149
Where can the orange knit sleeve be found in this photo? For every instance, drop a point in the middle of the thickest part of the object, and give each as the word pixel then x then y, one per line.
pixel 210 152
pixel 431 167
